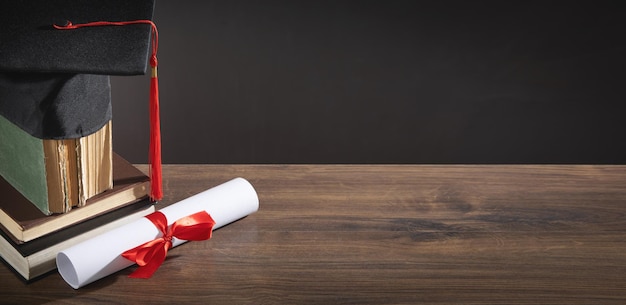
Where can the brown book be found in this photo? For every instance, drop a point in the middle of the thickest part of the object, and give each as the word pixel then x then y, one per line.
pixel 37 257
pixel 24 222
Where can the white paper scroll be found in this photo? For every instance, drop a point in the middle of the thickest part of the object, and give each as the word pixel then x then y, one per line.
pixel 100 256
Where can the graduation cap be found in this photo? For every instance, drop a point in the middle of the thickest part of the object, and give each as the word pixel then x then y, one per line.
pixel 55 60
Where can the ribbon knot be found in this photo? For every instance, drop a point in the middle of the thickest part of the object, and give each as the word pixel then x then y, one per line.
pixel 150 255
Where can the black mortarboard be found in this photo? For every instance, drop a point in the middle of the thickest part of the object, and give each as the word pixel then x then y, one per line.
pixel 54 82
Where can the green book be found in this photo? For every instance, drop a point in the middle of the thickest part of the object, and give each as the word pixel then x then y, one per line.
pixel 56 175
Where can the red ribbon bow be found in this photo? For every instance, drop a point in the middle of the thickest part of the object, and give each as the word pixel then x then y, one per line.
pixel 151 255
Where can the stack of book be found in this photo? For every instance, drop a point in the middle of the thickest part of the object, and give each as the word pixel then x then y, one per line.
pixel 30 237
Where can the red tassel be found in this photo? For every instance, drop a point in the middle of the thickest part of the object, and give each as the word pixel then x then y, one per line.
pixel 156 187
pixel 156 184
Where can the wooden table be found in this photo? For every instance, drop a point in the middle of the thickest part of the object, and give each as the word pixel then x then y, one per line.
pixel 387 234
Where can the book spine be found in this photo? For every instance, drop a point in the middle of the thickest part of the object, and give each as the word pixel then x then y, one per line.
pixel 61 175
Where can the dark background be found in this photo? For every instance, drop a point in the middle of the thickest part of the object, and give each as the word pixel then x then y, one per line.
pixel 383 82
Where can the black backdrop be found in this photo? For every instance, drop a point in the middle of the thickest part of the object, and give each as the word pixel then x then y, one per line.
pixel 383 82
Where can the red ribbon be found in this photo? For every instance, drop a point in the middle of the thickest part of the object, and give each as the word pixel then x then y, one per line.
pixel 151 255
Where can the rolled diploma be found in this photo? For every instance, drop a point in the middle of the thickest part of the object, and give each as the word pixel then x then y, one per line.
pixel 100 256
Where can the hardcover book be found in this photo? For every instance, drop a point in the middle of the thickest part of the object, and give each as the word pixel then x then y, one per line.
pixel 56 174
pixel 24 222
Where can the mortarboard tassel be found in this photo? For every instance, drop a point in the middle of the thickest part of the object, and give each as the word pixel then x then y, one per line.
pixel 156 185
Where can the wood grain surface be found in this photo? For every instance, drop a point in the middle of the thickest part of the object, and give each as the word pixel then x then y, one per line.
pixel 386 234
